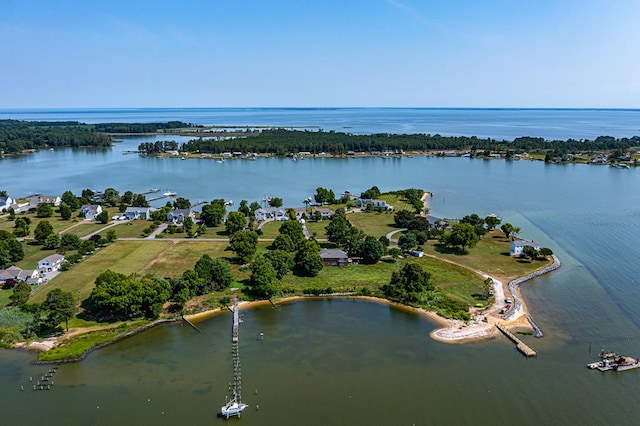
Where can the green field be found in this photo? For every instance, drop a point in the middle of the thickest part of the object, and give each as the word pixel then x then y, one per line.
pixel 491 255
pixel 75 224
pixel 318 229
pixel 373 223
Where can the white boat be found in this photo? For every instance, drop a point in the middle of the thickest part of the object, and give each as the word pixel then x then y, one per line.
pixel 170 194
pixel 232 408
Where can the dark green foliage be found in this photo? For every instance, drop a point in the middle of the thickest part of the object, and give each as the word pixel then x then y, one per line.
pixel 492 221
pixel 371 250
pixel 407 241
pixel 69 241
pixel 44 210
pixel 140 127
pixel 403 218
pixel 284 243
pixel 373 192
pixel 52 242
pixel 281 261
pixel 275 202
pixel 117 296
pixel 409 285
pixel 338 230
pixel 42 231
pixel 324 196
pixel 20 295
pixel 545 251
pixel 11 250
pixel 212 214
pixel 462 235
pixel 21 228
pixel 216 273
pixel 244 244
pixel 111 235
pixel 181 203
pixel 86 247
pixel 140 200
pixel 236 221
pixel 60 306
pixel 65 211
pixel 308 261
pixel 264 281
pixel 70 200
pixel 293 229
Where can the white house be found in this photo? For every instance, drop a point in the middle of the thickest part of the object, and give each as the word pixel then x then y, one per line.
pixel 5 202
pixel 515 249
pixel 90 211
pixel 31 276
pixel 178 215
pixel 133 213
pixel 269 213
pixel 376 204
pixel 50 263
pixel 54 200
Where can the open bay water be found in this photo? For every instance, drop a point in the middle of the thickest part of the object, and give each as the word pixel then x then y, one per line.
pixel 344 362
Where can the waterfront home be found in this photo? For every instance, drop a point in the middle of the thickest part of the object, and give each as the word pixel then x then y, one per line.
pixel 36 201
pixel 133 213
pixel 324 212
pixel 50 263
pixel 90 211
pixel 178 215
pixel 269 213
pixel 333 257
pixel 5 202
pixel 30 276
pixel 376 204
pixel 516 247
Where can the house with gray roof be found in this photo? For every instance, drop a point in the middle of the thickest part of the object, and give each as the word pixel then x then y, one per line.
pixel 90 211
pixel 50 263
pixel 334 257
pixel 516 246
pixel 179 215
pixel 132 213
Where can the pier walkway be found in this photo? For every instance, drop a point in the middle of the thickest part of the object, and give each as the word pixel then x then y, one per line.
pixel 520 345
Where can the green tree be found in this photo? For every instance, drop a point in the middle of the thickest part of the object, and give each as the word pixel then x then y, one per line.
pixel 216 273
pixel 244 208
pixel 61 307
pixel 21 228
pixel 11 249
pixel 530 252
pixel 407 241
pixel 338 230
pixel 293 229
pixel 44 210
pixel 86 247
pixel 507 229
pixel 187 225
pixel 139 200
pixel 127 198
pixel 52 242
pixel 324 196
pixel 403 218
pixel 372 250
pixel 492 221
pixel 236 221
pixel 70 200
pixel 244 244
pixel 546 251
pixel 103 217
pixel 65 211
pixel 42 231
pixel 181 203
pixel 264 281
pixel 111 197
pixel 410 285
pixel 284 243
pixel 463 235
pixel 373 192
pixel 275 202
pixel 213 214
pixel 281 261
pixel 69 241
pixel 111 235
pixel 254 206
pixel 20 295
pixel 308 261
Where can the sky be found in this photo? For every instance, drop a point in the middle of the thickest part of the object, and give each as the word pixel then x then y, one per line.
pixel 319 53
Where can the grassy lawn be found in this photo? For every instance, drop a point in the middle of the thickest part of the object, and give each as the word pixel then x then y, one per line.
pixel 124 257
pixel 4 297
pixel 374 223
pixel 318 228
pixel 456 281
pixel 179 257
pixel 84 227
pixel 491 255
pixel 132 228
pixel 397 203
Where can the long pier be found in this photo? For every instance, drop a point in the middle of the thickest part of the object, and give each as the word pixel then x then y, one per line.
pixel 520 345
pixel 235 354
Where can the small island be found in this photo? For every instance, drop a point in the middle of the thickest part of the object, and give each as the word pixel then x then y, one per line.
pixel 83 271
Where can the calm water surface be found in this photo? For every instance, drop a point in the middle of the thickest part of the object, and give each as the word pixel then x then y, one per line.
pixel 346 362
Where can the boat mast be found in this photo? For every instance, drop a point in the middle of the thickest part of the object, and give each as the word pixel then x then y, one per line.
pixel 235 354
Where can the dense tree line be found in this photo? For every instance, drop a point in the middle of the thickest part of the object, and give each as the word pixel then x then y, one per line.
pixel 140 127
pixel 282 142
pixel 16 136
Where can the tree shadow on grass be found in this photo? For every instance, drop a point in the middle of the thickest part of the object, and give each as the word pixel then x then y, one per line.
pixel 442 249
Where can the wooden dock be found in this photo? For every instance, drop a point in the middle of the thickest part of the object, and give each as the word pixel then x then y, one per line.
pixel 520 345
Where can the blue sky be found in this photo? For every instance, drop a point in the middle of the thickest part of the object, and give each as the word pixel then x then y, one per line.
pixel 233 53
